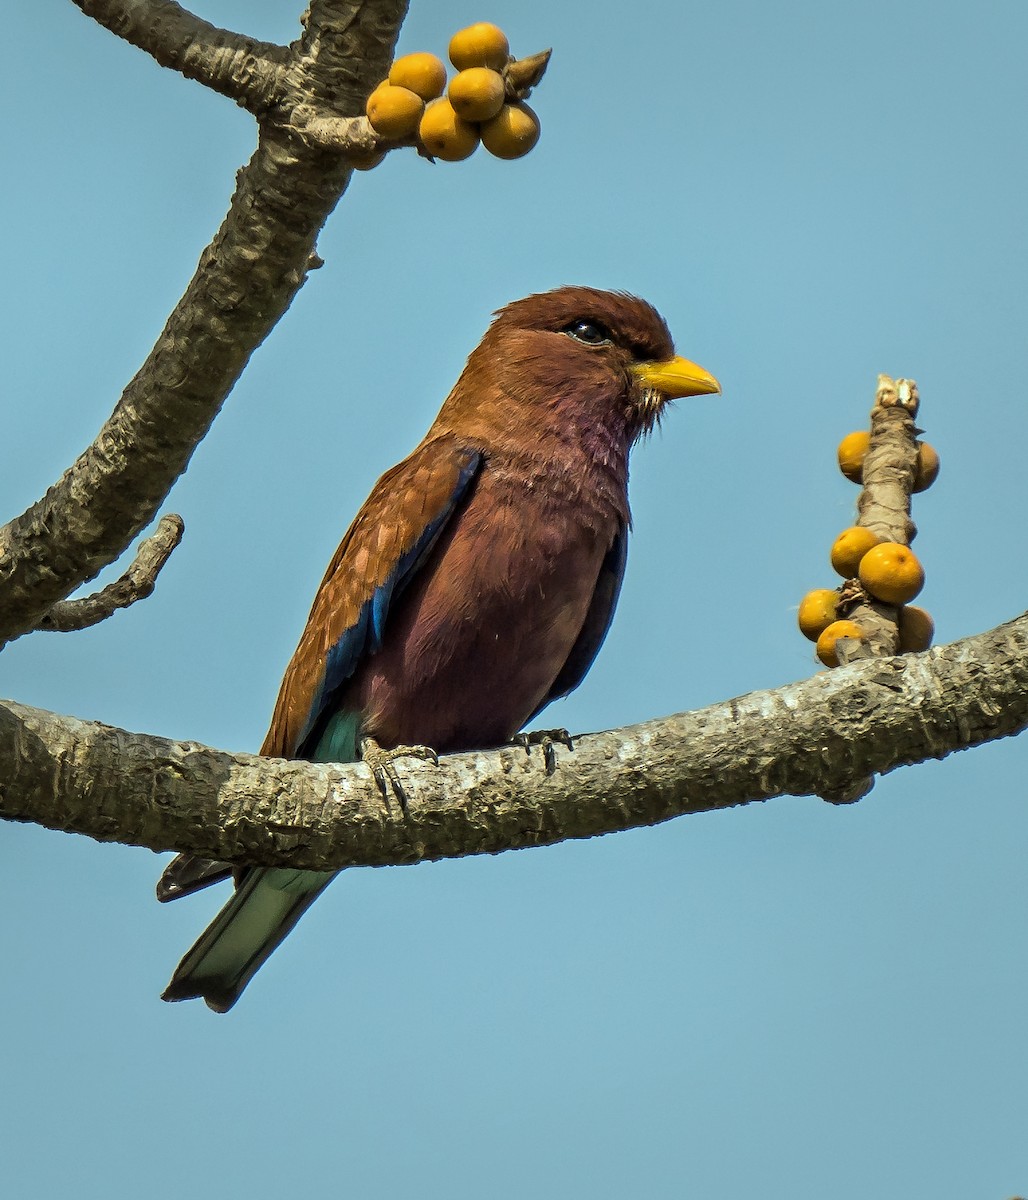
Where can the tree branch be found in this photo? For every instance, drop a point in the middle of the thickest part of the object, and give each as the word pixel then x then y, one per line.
pixel 884 508
pixel 813 737
pixel 245 281
pixel 137 583
pixel 249 71
pixel 889 469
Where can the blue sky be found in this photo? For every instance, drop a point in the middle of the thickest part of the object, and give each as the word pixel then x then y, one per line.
pixel 787 1000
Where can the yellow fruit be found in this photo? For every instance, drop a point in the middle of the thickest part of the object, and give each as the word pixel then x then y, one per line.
pixel 394 112
pixel 926 470
pixel 445 135
pixel 481 45
pixel 477 94
pixel 817 612
pixel 890 572
pixel 366 162
pixel 422 73
pixel 850 547
pixel 826 650
pixel 852 452
pixel 916 629
pixel 512 132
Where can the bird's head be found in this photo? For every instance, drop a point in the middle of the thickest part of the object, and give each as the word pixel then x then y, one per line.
pixel 579 356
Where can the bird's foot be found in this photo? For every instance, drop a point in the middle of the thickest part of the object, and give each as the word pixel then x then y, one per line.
pixel 381 764
pixel 546 739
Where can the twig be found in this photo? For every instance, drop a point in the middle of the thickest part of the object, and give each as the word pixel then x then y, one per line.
pixel 888 477
pixel 249 71
pixel 352 136
pixel 522 74
pixel 884 508
pixel 137 583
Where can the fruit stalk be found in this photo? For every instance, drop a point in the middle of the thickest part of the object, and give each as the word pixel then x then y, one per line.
pixel 523 74
pixel 884 508
pixel 889 469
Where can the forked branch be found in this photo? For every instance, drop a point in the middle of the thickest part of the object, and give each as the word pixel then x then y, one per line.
pixel 245 281
pixel 137 583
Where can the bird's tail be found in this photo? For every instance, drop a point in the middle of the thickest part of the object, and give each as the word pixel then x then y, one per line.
pixel 267 903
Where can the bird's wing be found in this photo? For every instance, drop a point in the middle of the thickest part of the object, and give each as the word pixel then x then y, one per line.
pixel 597 622
pixel 383 549
pixel 388 541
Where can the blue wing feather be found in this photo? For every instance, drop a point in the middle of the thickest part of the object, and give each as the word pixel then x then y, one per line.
pixel 365 635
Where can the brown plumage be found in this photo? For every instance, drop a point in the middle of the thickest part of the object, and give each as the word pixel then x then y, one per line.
pixel 477 582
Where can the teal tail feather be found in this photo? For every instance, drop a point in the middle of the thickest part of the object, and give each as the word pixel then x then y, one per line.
pixel 267 903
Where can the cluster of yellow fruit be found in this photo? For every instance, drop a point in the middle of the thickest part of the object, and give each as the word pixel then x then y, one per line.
pixel 888 571
pixel 476 106
pixel 853 450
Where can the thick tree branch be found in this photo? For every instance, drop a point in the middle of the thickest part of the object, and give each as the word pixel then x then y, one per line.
pixel 137 583
pixel 813 737
pixel 249 71
pixel 245 281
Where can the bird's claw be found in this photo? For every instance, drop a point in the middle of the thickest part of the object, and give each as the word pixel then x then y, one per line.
pixel 546 739
pixel 380 762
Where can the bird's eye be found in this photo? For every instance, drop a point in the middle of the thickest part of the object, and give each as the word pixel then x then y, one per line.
pixel 589 332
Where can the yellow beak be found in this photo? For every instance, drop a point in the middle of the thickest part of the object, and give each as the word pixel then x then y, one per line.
pixel 676 377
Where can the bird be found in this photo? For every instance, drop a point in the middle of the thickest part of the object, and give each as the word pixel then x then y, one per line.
pixel 475 585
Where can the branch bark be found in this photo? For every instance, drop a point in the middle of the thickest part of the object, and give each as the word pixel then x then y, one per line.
pixel 245 281
pixel 249 71
pixel 814 737
pixel 884 508
pixel 137 583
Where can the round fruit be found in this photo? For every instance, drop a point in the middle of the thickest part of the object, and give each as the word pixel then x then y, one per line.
pixel 422 73
pixel 477 94
pixel 481 45
pixel 366 162
pixel 926 470
pixel 512 132
pixel 826 649
pixel 850 547
pixel 916 629
pixel 890 572
pixel 817 612
pixel 445 135
pixel 852 452
pixel 394 112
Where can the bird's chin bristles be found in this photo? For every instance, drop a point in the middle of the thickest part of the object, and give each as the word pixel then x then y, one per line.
pixel 648 409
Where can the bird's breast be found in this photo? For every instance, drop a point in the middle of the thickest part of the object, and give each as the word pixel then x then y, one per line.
pixel 476 641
